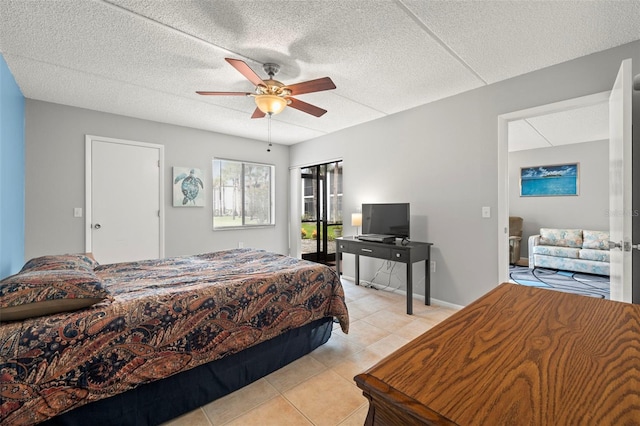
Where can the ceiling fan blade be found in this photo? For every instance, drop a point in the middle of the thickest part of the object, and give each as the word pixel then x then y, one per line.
pixel 246 71
pixel 223 93
pixel 317 85
pixel 258 114
pixel 305 107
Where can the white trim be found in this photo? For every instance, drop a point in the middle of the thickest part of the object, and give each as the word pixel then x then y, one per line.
pixel 89 139
pixel 445 304
pixel 420 297
pixel 87 194
pixel 503 165
pixel 315 163
pixel 295 184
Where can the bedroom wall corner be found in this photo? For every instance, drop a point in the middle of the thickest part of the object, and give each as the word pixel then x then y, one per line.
pixel 12 173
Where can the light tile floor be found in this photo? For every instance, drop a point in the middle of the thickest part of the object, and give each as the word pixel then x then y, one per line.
pixel 318 389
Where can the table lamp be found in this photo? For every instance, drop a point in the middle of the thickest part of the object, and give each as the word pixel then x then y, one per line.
pixel 356 220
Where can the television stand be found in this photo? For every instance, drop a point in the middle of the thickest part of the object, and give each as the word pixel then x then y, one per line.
pixel 407 252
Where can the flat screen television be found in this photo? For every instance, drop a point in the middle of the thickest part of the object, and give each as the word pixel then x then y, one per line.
pixel 388 219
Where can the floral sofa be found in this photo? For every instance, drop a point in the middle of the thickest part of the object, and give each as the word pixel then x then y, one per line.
pixel 574 250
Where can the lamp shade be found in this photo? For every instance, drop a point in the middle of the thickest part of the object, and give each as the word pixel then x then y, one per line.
pixel 356 219
pixel 270 104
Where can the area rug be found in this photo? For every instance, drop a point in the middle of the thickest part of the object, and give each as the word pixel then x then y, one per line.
pixel 566 281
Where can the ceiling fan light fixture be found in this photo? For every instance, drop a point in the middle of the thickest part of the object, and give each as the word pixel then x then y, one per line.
pixel 270 104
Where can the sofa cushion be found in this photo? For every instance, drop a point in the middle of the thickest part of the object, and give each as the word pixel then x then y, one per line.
pixel 568 252
pixel 561 237
pixel 599 255
pixel 597 240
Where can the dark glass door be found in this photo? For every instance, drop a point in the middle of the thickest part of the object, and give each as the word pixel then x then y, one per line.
pixel 321 211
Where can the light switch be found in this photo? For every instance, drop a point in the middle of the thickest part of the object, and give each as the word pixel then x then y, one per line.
pixel 77 212
pixel 486 211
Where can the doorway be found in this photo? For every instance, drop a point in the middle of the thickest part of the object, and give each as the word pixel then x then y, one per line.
pixel 321 222
pixel 620 178
pixel 556 110
pixel 124 200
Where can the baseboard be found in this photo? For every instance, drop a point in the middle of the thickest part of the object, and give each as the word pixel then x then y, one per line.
pixel 444 304
pixel 420 297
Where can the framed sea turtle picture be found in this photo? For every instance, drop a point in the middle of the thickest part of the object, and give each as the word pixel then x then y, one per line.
pixel 188 189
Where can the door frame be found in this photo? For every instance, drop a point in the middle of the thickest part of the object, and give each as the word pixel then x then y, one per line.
pixel 321 176
pixel 503 164
pixel 620 161
pixel 89 139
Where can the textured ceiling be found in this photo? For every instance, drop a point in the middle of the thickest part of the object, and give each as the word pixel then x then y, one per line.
pixel 585 124
pixel 146 58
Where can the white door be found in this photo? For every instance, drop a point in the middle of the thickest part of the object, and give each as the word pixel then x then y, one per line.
pixel 124 200
pixel 620 183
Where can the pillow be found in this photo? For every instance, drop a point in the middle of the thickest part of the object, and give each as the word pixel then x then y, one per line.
pixel 561 237
pixel 597 240
pixel 60 261
pixel 35 293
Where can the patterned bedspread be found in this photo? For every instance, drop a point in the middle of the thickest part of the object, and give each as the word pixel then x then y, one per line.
pixel 167 316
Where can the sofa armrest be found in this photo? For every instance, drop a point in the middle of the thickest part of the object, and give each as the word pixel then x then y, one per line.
pixel 534 240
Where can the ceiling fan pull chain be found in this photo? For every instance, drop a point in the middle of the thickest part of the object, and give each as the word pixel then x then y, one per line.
pixel 269 130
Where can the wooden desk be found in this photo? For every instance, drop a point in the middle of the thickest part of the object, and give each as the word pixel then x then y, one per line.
pixel 408 253
pixel 516 356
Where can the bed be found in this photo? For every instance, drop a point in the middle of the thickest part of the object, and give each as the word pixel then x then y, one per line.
pixel 143 342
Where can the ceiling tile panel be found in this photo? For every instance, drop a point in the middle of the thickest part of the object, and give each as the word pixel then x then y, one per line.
pixel 502 39
pixel 367 45
pixel 523 136
pixel 585 124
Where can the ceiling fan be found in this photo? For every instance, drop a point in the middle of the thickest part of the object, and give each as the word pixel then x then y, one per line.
pixel 272 96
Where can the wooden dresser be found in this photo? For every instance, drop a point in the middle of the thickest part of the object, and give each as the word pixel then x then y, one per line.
pixel 516 356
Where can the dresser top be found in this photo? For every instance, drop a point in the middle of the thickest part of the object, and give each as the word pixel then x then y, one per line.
pixel 520 355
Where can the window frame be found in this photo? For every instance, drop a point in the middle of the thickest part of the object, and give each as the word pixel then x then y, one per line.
pixel 243 196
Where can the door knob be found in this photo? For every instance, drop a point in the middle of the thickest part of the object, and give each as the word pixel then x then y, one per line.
pixel 626 246
pixel 97 226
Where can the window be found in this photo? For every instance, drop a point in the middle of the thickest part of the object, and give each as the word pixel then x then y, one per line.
pixel 243 194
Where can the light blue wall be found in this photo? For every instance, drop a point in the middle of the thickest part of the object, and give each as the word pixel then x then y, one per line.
pixel 11 173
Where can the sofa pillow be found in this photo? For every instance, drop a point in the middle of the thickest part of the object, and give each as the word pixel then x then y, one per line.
pixel 561 237
pixel 36 293
pixel 596 240
pixel 60 261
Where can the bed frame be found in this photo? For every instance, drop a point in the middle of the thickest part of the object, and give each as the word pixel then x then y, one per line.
pixel 165 399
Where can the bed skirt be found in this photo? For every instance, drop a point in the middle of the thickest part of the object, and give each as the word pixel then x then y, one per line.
pixel 165 399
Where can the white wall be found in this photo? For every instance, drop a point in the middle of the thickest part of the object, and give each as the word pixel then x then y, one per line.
pixel 55 161
pixel 588 210
pixel 443 159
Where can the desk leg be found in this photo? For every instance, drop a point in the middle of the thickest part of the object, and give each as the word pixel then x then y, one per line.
pixel 427 283
pixel 409 288
pixel 338 262
pixel 357 269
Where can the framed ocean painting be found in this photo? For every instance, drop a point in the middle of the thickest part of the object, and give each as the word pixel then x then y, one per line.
pixel 549 181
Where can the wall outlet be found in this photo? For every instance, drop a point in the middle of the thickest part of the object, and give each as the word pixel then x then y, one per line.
pixel 77 212
pixel 240 244
pixel 432 263
pixel 486 212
